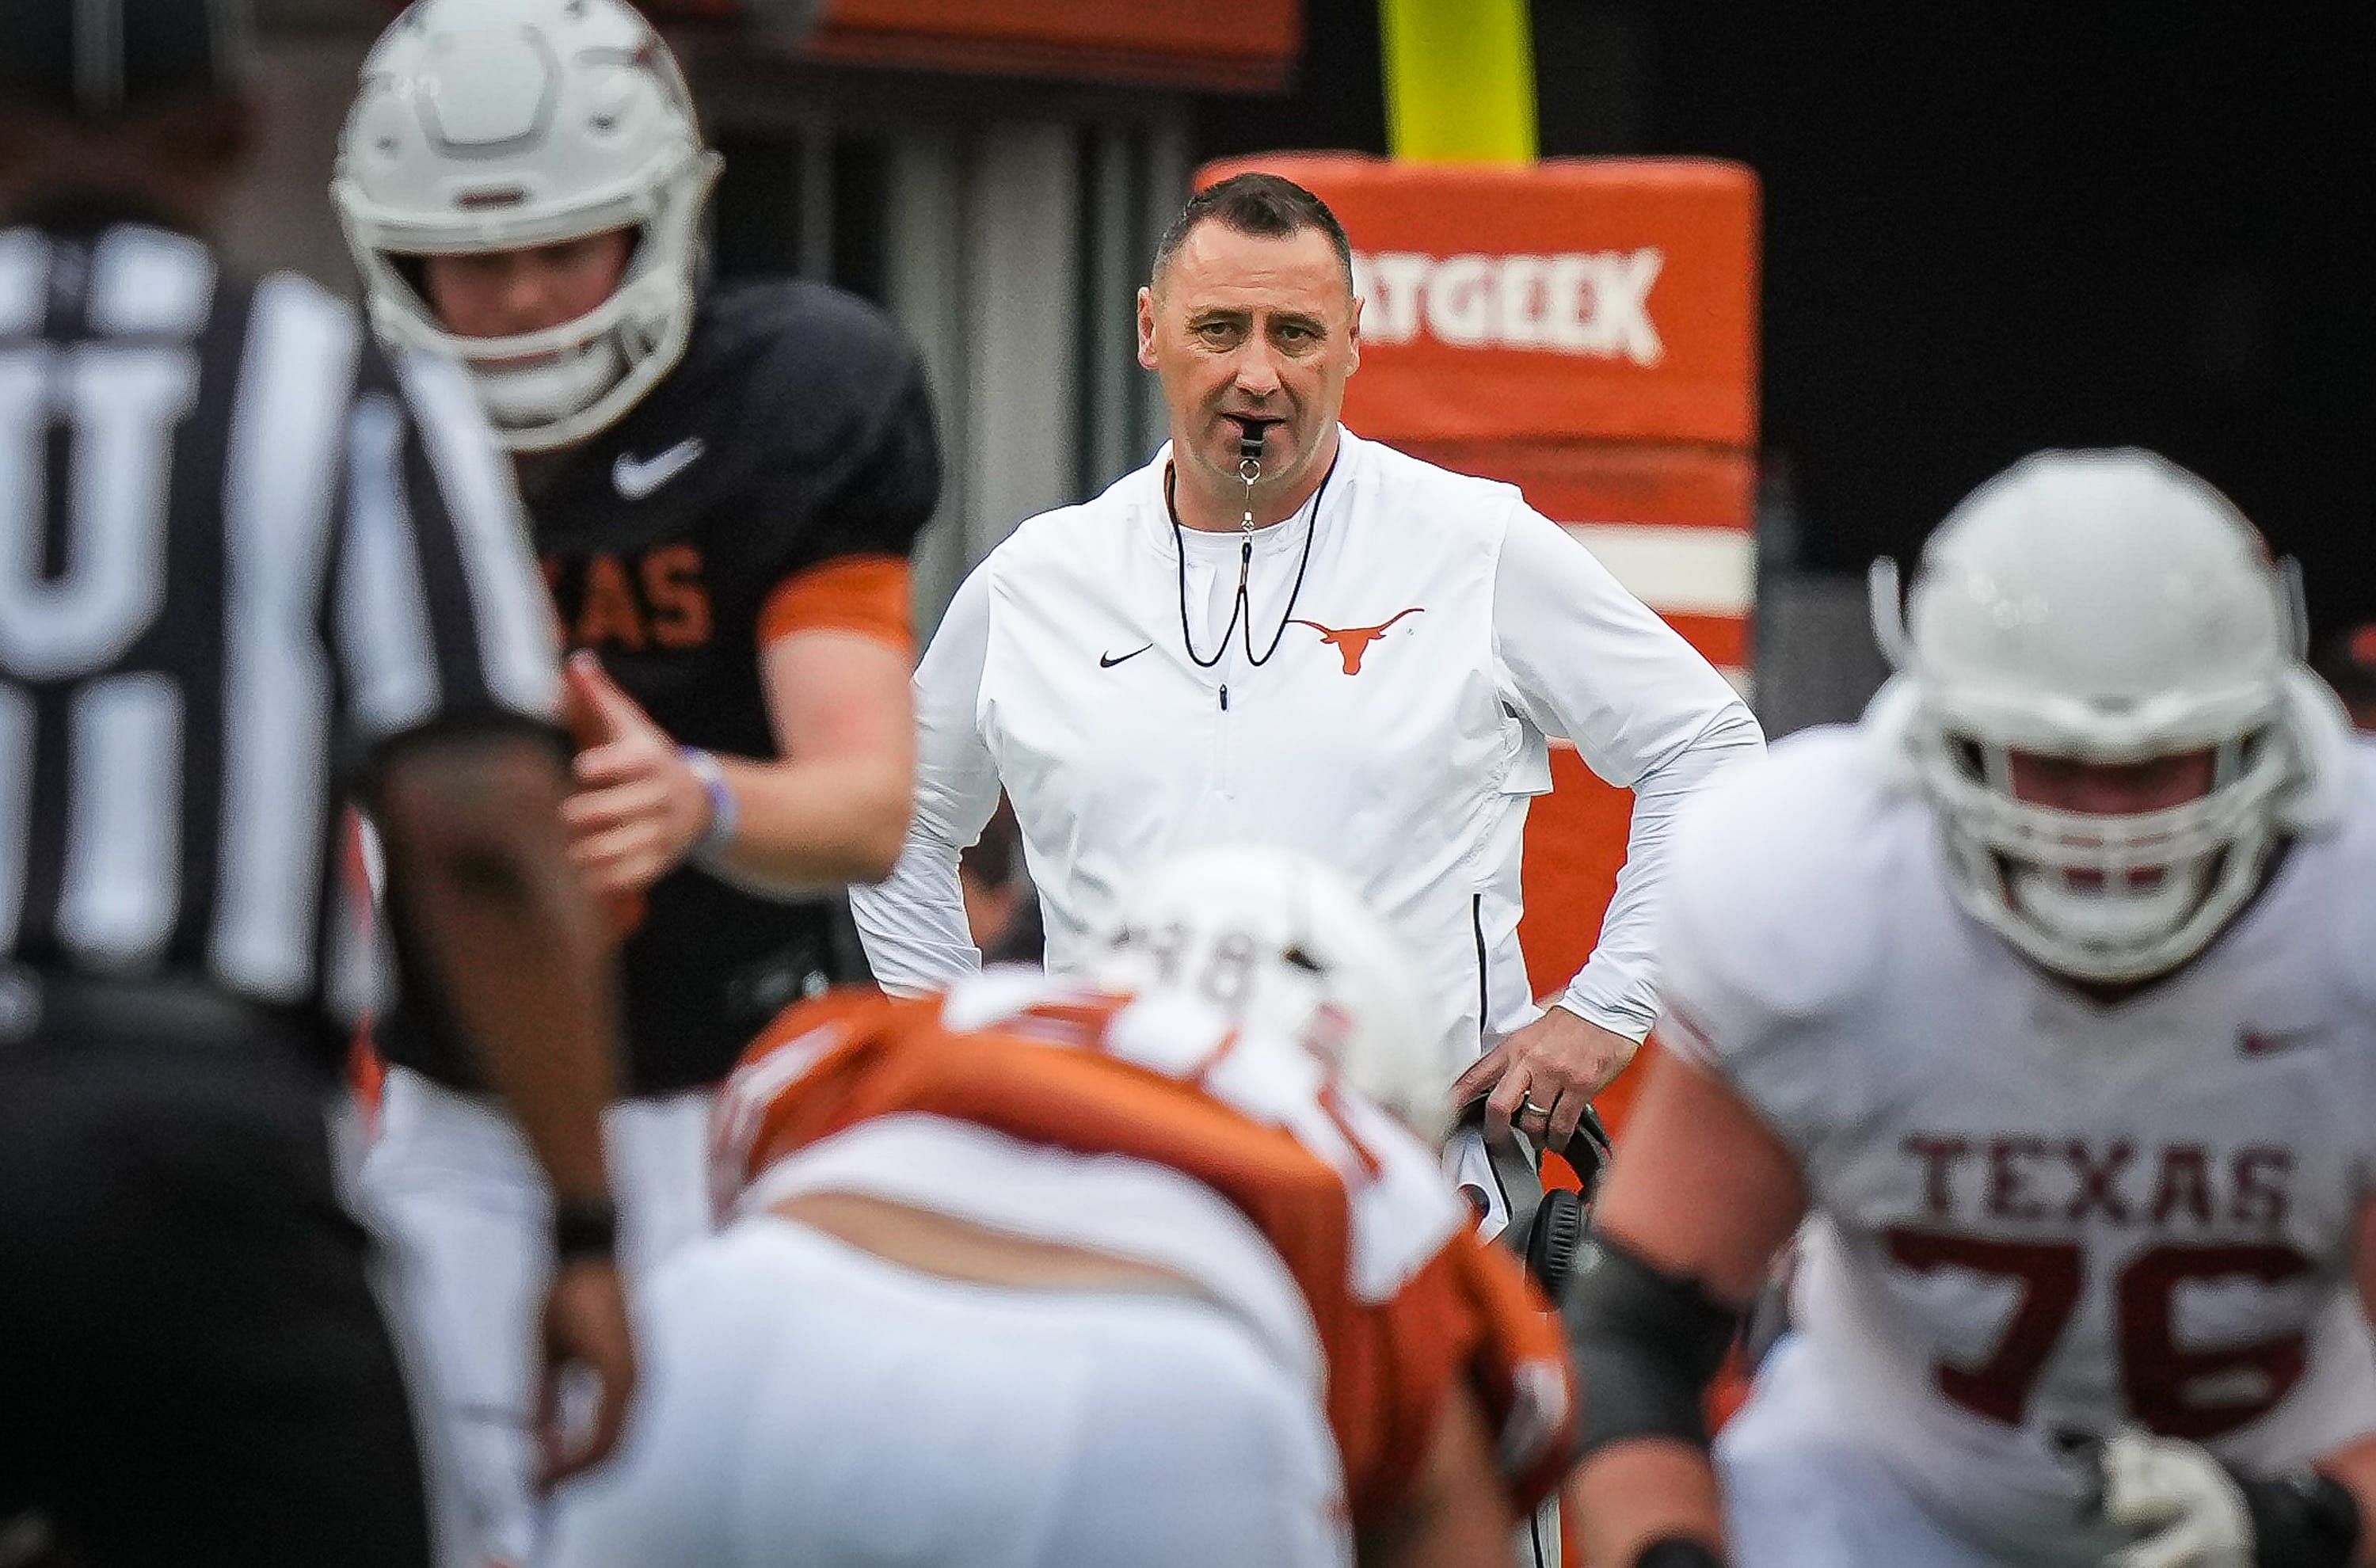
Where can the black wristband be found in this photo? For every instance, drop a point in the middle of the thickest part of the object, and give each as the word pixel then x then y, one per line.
pixel 583 1228
pixel 2301 1519
pixel 1675 1552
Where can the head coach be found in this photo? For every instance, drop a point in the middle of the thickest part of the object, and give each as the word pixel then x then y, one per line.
pixel 248 565
pixel 1279 633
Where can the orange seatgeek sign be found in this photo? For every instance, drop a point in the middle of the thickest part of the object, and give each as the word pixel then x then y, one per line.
pixel 1614 300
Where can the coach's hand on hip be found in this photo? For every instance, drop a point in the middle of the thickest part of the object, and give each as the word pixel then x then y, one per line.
pixel 1544 1076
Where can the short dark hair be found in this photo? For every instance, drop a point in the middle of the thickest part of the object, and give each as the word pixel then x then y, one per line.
pixel 1259 204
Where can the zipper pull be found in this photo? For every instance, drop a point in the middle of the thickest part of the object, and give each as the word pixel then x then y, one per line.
pixel 1225 699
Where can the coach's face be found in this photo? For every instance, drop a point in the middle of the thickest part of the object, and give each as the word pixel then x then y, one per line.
pixel 1250 327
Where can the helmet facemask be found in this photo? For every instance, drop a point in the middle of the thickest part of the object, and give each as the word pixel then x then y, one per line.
pixel 2097 896
pixel 2104 609
pixel 553 387
pixel 452 150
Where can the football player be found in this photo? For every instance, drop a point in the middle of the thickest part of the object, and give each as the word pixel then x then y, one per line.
pixel 724 483
pixel 2045 994
pixel 1034 1274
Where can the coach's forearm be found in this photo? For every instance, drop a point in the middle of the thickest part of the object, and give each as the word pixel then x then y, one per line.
pixel 1618 987
pixel 475 847
pixel 913 923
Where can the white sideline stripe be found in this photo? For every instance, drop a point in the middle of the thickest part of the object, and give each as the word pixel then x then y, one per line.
pixel 1676 570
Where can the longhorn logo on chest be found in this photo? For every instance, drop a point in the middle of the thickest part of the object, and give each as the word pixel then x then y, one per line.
pixel 1352 643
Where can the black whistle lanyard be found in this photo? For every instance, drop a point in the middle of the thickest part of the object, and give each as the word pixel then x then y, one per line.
pixel 1242 610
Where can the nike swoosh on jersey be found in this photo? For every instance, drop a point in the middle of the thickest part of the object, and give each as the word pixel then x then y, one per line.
pixel 1108 661
pixel 637 479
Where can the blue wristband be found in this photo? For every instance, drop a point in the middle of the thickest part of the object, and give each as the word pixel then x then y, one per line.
pixel 724 810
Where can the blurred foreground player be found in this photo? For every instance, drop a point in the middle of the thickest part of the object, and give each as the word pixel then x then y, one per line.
pixel 245 560
pixel 723 484
pixel 2044 992
pixel 1034 1274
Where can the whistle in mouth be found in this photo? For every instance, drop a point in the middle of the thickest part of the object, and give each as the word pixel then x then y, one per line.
pixel 1249 449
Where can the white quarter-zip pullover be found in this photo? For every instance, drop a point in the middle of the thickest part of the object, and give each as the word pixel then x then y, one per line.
pixel 1441 630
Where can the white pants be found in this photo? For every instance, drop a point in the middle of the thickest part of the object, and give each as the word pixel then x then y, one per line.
pixel 1802 1489
pixel 452 1183
pixel 805 1402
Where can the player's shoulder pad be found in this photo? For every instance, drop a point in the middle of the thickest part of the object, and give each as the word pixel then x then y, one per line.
pixel 1772 889
pixel 817 368
pixel 2352 918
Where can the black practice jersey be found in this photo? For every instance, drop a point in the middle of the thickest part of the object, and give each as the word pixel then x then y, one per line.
pixel 796 432
pixel 241 554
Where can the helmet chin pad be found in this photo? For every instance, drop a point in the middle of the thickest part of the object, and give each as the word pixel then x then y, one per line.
pixel 2116 914
pixel 532 396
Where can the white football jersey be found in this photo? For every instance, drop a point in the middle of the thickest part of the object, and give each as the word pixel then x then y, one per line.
pixel 2032 1211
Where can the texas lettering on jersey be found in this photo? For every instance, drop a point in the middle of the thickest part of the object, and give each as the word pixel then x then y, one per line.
pixel 630 602
pixel 1404 1300
pixel 2006 1207
pixel 2025 1177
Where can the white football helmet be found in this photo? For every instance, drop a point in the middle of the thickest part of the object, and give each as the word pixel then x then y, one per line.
pixel 2106 607
pixel 500 124
pixel 1277 941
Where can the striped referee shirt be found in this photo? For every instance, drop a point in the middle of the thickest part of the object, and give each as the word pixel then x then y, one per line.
pixel 241 553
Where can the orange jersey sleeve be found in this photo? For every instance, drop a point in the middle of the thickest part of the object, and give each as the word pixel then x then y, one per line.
pixel 865 594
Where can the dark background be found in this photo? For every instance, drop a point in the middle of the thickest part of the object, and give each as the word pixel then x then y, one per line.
pixel 1989 232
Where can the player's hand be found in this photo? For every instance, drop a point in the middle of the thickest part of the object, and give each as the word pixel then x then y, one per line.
pixel 637 809
pixel 586 1338
pixel 2191 1510
pixel 1558 1063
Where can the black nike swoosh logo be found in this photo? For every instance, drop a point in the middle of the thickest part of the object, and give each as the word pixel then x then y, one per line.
pixel 1107 661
